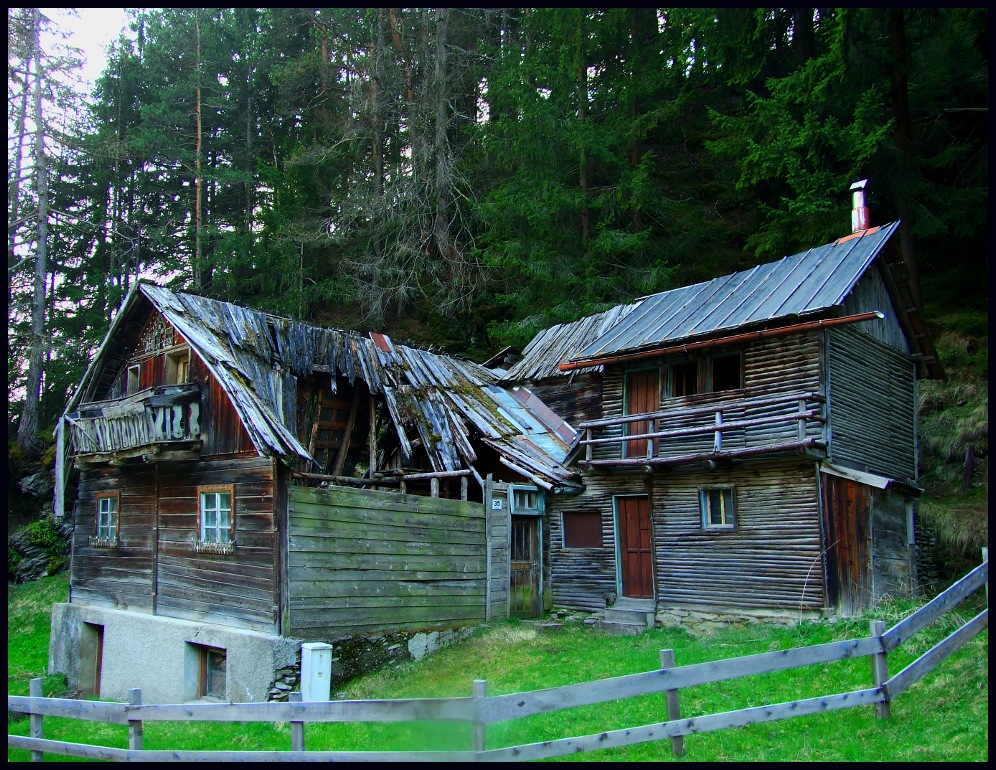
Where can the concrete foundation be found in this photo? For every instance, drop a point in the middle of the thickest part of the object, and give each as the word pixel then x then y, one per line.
pixel 106 652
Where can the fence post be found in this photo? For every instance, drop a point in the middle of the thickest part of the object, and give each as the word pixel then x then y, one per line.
pixel 673 707
pixel 296 725
pixel 35 691
pixel 480 693
pixel 880 669
pixel 135 725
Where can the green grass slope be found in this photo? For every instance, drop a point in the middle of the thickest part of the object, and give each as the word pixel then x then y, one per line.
pixel 944 717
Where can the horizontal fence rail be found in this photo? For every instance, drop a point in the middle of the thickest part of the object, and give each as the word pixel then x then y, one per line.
pixel 481 710
pixel 775 430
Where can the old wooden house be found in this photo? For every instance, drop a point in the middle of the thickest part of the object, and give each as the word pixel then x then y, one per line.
pixel 240 483
pixel 746 444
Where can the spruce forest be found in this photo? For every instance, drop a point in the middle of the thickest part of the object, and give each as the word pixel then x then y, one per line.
pixel 463 178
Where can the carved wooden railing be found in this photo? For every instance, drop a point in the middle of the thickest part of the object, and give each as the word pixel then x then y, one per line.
pixel 168 413
pixel 727 428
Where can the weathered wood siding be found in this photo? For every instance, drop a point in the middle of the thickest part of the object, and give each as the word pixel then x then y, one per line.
pixel 239 589
pixel 773 559
pixel 573 399
pixel 780 366
pixel 165 574
pixel 583 578
pixel 872 294
pixel 222 430
pixel 118 577
pixel 871 407
pixel 893 563
pixel 366 561
pixel 499 532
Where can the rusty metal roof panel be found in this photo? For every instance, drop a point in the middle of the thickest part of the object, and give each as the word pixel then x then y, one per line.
pixel 805 284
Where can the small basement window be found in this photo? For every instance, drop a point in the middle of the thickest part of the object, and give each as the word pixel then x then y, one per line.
pixel 206 672
pixel 718 507
pixel 216 518
pixel 582 529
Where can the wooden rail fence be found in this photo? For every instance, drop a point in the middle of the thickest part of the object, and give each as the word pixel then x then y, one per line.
pixel 482 710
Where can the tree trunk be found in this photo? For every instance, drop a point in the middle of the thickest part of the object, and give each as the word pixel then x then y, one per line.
pixel 582 80
pixel 198 179
pixel 903 137
pixel 441 149
pixel 27 431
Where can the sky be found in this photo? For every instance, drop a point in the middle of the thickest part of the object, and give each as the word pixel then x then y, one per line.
pixel 91 32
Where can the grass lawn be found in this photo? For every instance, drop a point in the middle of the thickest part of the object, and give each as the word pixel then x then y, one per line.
pixel 944 717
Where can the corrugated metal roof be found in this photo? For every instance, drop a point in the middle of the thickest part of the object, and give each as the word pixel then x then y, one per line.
pixel 806 284
pixel 257 358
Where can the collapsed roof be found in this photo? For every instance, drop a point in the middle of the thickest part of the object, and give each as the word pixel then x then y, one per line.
pixel 257 358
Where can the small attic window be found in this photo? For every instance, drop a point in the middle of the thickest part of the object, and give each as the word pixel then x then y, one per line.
pixel 178 366
pixel 134 379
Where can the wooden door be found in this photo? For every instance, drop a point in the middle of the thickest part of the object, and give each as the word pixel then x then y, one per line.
pixel 524 569
pixel 642 397
pixel 636 558
pixel 847 525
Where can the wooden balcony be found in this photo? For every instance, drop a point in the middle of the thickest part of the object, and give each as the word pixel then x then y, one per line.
pixel 160 423
pixel 727 429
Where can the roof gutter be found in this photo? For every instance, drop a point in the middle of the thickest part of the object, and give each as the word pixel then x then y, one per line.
pixel 717 341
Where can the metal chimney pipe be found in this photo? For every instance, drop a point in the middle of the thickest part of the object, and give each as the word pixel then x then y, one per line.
pixel 860 218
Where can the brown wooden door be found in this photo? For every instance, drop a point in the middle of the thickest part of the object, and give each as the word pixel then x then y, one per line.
pixel 635 547
pixel 847 524
pixel 524 569
pixel 642 397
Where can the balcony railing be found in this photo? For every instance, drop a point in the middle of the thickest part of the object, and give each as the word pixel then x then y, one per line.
pixel 726 429
pixel 167 414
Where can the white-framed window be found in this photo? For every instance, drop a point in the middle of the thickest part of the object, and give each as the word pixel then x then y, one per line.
pixel 719 508
pixel 525 500
pixel 106 530
pixel 216 517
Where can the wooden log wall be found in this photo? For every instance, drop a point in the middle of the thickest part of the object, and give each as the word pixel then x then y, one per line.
pixel 364 561
pixel 772 560
pixel 238 589
pixel 871 406
pixel 164 574
pixel 584 578
pixel 120 577
pixel 779 366
pixel 871 294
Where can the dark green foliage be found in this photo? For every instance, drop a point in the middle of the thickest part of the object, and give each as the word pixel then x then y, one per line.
pixel 466 177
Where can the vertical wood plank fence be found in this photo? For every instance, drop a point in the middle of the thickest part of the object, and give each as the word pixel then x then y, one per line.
pixel 481 709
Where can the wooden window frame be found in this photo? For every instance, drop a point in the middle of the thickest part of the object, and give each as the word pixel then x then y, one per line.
pixel 570 542
pixel 219 546
pixel 106 539
pixel 730 518
pixel 540 501
pixel 710 374
pixel 177 359
pixel 133 385
pixel 685 362
pixel 204 653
